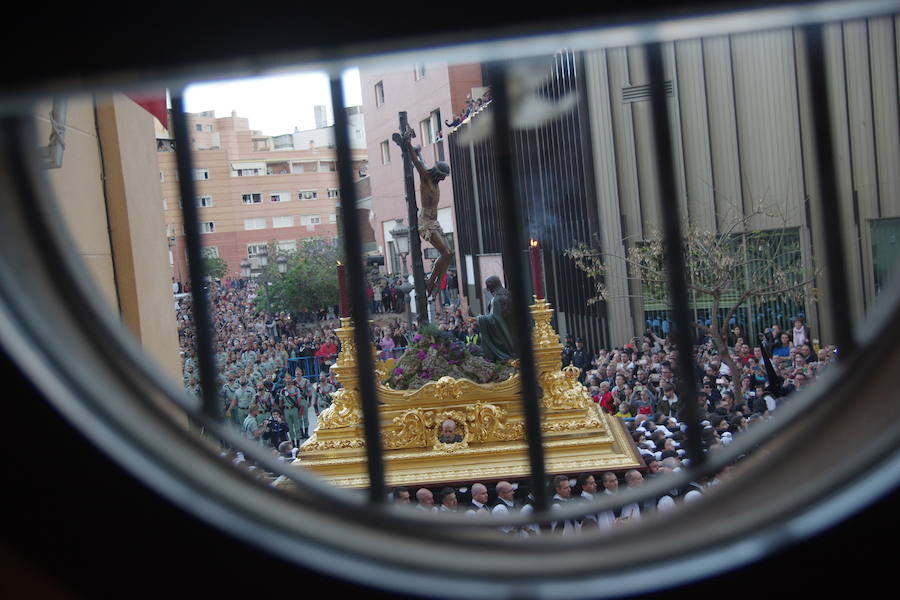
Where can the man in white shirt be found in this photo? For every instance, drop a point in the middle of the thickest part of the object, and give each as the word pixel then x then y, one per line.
pixel 478 505
pixel 505 504
pixel 562 496
pixel 425 500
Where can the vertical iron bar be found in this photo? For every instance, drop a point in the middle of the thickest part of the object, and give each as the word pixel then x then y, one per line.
pixel 196 265
pixel 829 209
pixel 512 261
pixel 356 287
pixel 675 260
pixel 415 242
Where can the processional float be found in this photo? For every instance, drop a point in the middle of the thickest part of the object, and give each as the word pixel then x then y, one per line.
pixel 577 435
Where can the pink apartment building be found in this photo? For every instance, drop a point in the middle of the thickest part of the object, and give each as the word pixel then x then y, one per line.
pixel 251 194
pixel 430 94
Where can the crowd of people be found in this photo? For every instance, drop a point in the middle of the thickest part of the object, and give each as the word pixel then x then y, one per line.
pixel 274 375
pixel 638 384
pixel 385 294
pixel 472 107
pixel 273 369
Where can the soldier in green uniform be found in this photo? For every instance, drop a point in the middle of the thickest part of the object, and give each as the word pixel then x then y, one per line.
pixel 293 406
pixel 322 391
pixel 244 396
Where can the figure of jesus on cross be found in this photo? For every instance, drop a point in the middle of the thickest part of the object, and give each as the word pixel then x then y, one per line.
pixel 429 228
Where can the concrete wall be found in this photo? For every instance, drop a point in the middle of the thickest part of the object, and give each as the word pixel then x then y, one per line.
pixel 108 193
pixel 741 126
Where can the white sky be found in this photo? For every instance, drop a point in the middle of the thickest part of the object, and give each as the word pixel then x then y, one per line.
pixel 274 104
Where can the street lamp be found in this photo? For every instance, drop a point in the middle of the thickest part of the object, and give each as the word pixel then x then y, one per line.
pixel 263 255
pixel 400 234
pixel 281 262
pixel 245 268
pixel 401 238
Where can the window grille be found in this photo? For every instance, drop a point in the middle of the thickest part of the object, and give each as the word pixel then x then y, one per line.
pixel 487 564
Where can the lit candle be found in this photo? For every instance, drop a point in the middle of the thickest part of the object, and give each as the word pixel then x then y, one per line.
pixel 536 272
pixel 342 289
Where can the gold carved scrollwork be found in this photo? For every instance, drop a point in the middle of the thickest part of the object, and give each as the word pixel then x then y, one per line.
pixel 447 389
pixel 411 432
pixel 334 444
pixel 488 424
pixel 572 425
pixel 383 369
pixel 562 390
pixel 344 412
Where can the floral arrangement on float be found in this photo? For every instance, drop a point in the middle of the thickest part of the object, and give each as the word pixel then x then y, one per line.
pixel 435 353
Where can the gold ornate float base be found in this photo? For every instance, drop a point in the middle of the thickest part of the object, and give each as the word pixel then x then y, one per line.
pixel 488 422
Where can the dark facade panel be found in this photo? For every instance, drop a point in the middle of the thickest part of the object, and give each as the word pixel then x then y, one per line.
pixel 556 188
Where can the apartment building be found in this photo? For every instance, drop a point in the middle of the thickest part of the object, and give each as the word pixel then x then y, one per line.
pixel 253 189
pixel 430 94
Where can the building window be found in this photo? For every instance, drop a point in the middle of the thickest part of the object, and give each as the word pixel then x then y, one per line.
pixel 310 220
pixel 279 197
pixel 885 246
pixel 308 194
pixel 333 193
pixel 251 198
pixel 209 128
pixel 258 223
pixel 204 201
pixel 248 172
pixel 207 227
pixel 198 127
pixel 431 127
pixel 327 166
pixel 201 174
pixel 165 204
pixel 332 218
pixel 209 252
pixel 162 177
pixel 385 153
pixel 420 71
pixel 283 221
pixel 253 249
pixel 379 93
pixel 171 229
pixel 286 245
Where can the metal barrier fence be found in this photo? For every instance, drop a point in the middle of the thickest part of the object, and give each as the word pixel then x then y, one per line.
pixel 313 365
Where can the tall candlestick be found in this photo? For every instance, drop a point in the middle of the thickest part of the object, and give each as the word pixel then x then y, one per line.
pixel 342 289
pixel 537 276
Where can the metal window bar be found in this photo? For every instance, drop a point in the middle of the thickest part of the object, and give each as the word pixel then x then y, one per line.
pixel 515 271
pixel 359 305
pixel 828 186
pixel 675 260
pixel 698 466
pixel 196 265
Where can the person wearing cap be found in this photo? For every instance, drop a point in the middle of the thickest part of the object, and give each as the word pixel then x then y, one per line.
pixel 292 402
pixel 581 358
pixel 568 350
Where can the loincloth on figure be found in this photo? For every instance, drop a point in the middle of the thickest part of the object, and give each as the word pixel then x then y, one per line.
pixel 428 226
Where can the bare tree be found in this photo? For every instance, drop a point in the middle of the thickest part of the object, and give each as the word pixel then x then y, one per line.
pixel 726 270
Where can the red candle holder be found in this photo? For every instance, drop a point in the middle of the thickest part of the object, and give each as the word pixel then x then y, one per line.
pixel 537 273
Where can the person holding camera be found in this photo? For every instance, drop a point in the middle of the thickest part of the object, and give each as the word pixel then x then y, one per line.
pixel 275 430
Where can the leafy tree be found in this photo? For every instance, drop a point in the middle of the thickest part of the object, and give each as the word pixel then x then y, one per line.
pixel 216 267
pixel 310 280
pixel 725 271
